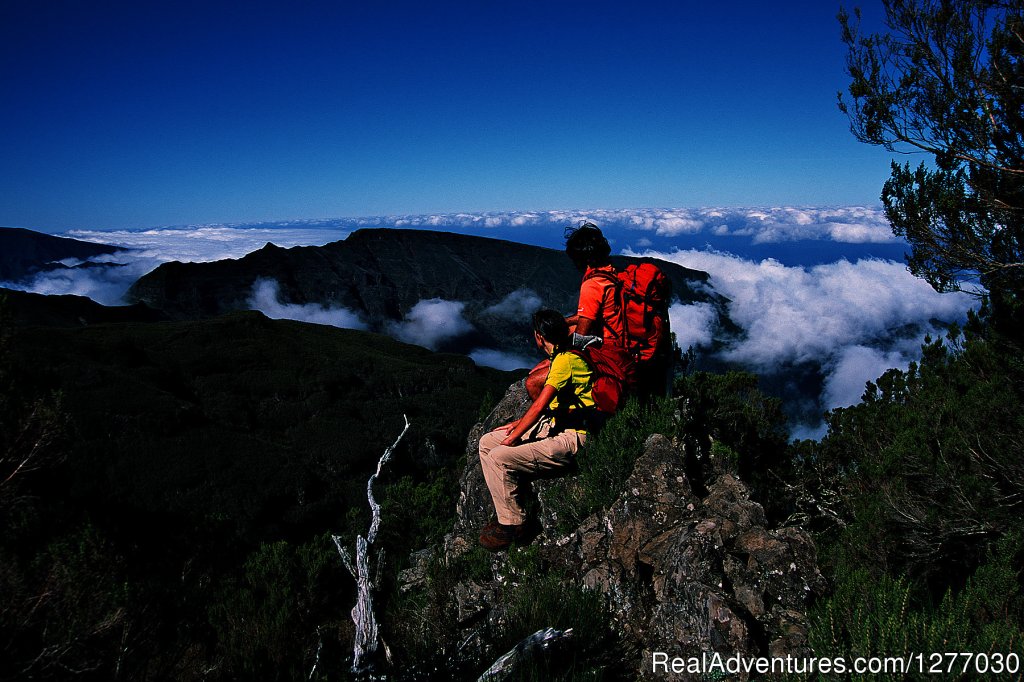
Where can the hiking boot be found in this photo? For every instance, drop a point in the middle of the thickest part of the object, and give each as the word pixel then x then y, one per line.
pixel 501 536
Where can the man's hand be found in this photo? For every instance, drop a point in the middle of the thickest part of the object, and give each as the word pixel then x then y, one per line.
pixel 509 428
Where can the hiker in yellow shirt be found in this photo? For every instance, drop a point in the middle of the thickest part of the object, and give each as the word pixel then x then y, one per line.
pixel 546 439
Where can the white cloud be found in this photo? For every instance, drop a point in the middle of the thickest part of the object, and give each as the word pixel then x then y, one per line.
pixel 852 368
pixel 694 325
pixel 519 305
pixel 203 243
pixel 431 322
pixel 105 279
pixel 266 298
pixel 851 318
pixel 486 357
pixel 848 224
pixel 796 314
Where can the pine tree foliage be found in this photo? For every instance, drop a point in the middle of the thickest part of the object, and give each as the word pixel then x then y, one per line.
pixel 947 80
pixel 928 467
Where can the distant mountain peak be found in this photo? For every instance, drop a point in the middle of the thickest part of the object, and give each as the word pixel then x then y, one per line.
pixel 25 252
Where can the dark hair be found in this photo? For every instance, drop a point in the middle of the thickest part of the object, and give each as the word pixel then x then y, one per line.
pixel 552 326
pixel 586 246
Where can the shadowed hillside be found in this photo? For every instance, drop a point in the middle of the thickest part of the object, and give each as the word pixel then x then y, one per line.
pixel 24 252
pixel 165 460
pixel 28 310
pixel 255 420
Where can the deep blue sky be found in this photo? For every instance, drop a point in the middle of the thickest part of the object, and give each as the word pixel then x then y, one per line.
pixel 142 114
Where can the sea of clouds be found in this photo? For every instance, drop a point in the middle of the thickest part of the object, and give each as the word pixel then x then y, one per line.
pixel 806 285
pixel 854 320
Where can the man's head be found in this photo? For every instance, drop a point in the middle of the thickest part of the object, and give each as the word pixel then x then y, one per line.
pixel 586 246
pixel 550 326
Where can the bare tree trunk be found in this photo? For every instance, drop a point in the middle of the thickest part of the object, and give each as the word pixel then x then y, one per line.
pixel 525 651
pixel 367 632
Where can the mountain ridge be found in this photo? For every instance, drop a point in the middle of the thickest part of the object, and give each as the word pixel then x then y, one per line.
pixel 24 252
pixel 381 274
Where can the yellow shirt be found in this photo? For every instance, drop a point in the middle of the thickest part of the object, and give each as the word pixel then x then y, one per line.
pixel 571 378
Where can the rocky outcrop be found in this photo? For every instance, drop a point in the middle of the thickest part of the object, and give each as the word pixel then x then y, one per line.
pixel 682 574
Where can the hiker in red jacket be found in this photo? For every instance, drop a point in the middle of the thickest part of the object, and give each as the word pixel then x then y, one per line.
pixel 599 312
pixel 599 316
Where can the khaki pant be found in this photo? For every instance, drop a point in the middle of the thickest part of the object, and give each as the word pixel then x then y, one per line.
pixel 537 454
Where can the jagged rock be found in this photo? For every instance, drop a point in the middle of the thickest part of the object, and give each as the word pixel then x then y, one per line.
pixel 682 574
pixel 415 577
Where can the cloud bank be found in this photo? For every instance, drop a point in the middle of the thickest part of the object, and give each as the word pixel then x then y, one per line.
pixel 517 306
pixel 694 325
pixel 854 319
pixel 808 284
pixel 732 229
pixel 266 298
pixel 204 243
pixel 846 224
pixel 431 322
pixel 105 279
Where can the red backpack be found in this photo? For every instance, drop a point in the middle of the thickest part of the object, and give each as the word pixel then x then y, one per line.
pixel 643 292
pixel 610 366
pixel 646 292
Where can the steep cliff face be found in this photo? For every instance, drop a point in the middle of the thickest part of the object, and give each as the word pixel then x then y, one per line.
pixel 680 573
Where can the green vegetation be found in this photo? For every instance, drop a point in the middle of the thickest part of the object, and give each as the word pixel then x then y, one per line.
pixel 929 462
pixel 730 425
pixel 916 493
pixel 922 539
pixel 420 513
pixel 168 490
pixel 174 517
pixel 871 616
pixel 540 597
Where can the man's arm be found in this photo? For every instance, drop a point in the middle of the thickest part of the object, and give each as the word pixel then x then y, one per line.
pixel 532 415
pixel 585 326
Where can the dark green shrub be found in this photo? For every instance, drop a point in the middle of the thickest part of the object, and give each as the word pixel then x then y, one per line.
pixel 871 616
pixel 540 596
pixel 269 620
pixel 418 514
pixel 729 410
pixel 926 470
